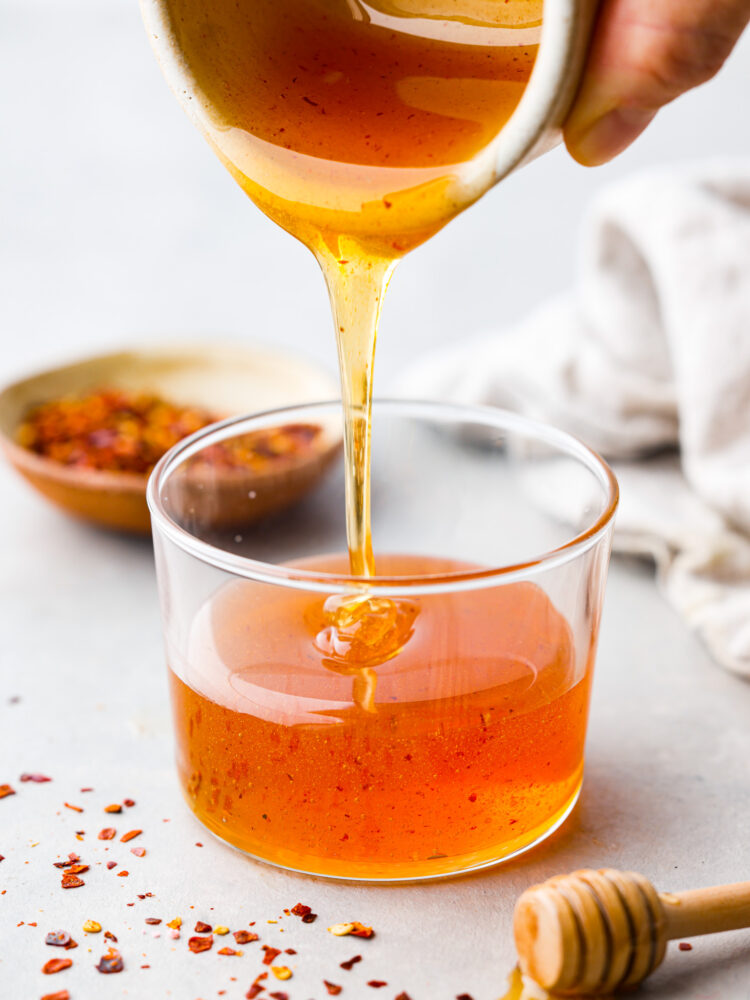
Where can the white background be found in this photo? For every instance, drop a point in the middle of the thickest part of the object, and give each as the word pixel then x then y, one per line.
pixel 117 224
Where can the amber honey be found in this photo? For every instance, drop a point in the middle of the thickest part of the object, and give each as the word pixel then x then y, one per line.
pixel 471 750
pixel 359 735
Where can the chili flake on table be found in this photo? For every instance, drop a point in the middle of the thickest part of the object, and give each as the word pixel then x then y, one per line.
pixel 115 430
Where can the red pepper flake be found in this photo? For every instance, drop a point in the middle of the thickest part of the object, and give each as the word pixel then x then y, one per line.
pixel 75 869
pixel 111 962
pixel 110 936
pixel 244 937
pixel 300 910
pixel 403 996
pixel 6 790
pixel 86 789
pixel 57 938
pixel 128 802
pixel 279 995
pixel 198 844
pixel 228 951
pixel 198 944
pixel 145 966
pixel 290 951
pixel 377 983
pixel 56 965
pixel 685 946
pixel 309 918
pixel 332 988
pixel 153 920
pixel 111 865
pixel 129 835
pixel 256 987
pixel 351 962
pixel 123 874
pixel 473 797
pixel 114 808
pixel 108 833
pixel 201 928
pixel 464 996
pixel 76 809
pixel 71 881
pixel 71 944
pixel 60 995
pixel 270 953
pixel 140 852
pixel 38 778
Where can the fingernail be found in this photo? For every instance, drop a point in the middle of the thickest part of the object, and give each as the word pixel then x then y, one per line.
pixel 609 135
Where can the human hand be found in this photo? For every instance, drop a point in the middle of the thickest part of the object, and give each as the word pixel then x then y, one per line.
pixel 644 53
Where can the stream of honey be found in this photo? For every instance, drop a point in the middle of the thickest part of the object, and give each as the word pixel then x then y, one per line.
pixel 474 750
pixel 364 736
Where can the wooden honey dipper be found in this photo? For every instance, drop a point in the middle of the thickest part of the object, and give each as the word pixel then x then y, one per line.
pixel 592 932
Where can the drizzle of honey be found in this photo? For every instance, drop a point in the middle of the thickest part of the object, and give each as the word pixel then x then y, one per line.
pixel 469 749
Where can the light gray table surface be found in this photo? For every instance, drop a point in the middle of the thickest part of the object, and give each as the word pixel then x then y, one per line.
pixel 119 226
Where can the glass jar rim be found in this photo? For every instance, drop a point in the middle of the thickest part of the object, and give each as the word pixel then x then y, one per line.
pixel 291 576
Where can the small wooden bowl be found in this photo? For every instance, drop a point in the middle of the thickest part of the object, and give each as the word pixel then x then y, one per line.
pixel 225 379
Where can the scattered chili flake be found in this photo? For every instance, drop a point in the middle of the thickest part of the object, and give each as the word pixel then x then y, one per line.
pixel 332 988
pixel 350 963
pixel 290 951
pixel 377 983
pixel 128 802
pixel 270 953
pixel 221 930
pixel 201 928
pixel 197 844
pixel 56 965
pixel 244 937
pixel 309 918
pixel 57 938
pixel 140 852
pixel 110 936
pixel 114 808
pixel 685 946
pixel 108 833
pixel 279 995
pixel 300 910
pixel 153 920
pixel 111 962
pixel 256 986
pixel 6 790
pixel 403 996
pixel 175 924
pixel 71 944
pixel 123 874
pixel 38 778
pixel 74 869
pixel 354 927
pixel 111 865
pixel 60 995
pixel 198 944
pixel 71 881
pixel 87 789
pixel 464 996
pixel 76 809
pixel 228 951
pixel 130 835
pixel 281 971
pixel 92 926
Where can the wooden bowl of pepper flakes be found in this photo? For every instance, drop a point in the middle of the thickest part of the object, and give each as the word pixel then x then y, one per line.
pixel 86 435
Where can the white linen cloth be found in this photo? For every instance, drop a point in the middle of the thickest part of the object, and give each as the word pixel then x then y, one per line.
pixel 650 352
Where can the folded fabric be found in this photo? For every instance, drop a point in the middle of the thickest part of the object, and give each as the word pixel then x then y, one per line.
pixel 648 361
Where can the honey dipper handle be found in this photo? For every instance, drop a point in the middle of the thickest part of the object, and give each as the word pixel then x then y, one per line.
pixel 706 911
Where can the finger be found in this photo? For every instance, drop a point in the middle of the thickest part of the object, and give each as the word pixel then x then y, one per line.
pixel 644 54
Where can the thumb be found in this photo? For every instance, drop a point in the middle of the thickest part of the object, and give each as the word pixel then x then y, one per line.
pixel 643 55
